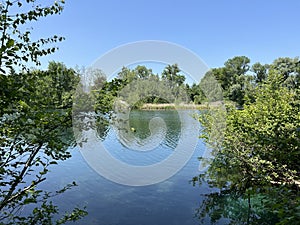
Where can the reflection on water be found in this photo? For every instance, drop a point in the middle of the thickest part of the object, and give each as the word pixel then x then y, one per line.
pixel 139 126
pixel 170 120
pixel 173 201
pixel 235 208
pixel 102 127
pixel 158 145
pixel 140 131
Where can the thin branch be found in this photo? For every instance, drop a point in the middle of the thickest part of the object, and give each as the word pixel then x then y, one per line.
pixel 18 179
pixel 20 193
pixel 4 33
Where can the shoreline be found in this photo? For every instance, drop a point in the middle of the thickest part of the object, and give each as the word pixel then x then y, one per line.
pixel 172 106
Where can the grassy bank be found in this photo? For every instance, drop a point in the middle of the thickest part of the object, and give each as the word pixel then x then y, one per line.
pixel 170 106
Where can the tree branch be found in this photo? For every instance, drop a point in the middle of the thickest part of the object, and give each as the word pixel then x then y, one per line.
pixel 8 198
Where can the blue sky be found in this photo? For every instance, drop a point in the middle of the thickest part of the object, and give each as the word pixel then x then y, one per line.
pixel 215 30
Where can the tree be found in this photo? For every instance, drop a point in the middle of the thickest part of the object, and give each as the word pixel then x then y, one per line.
pixel 236 69
pixel 151 90
pixel 195 93
pixel 142 72
pixel 257 156
pixel 237 66
pixel 175 81
pixel 171 74
pixel 211 88
pixel 17 48
pixel 232 78
pixel 221 76
pixel 286 66
pixel 35 117
pixel 139 72
pixel 91 78
pixel 126 75
pixel 143 87
pixel 106 96
pixel 289 68
pixel 36 131
pixel 260 71
pixel 62 83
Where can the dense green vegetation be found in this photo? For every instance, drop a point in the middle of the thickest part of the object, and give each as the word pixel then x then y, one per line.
pixel 238 78
pixel 234 82
pixel 256 153
pixel 35 118
pixel 139 86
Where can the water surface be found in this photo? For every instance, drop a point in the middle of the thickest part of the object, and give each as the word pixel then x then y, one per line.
pixel 172 201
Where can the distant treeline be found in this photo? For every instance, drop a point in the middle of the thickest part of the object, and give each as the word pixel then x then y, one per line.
pixel 233 82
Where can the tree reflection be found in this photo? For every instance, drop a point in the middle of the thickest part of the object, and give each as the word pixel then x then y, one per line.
pixel 102 127
pixel 230 206
pixel 170 122
pixel 142 130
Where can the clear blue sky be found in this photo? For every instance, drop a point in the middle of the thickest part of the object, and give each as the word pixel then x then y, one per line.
pixel 216 30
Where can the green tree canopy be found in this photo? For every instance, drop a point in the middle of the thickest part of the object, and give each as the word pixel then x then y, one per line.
pixel 260 72
pixel 259 151
pixel 171 73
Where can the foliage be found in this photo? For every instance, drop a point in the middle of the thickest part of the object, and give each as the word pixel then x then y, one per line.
pixel 210 88
pixel 140 86
pixel 35 117
pixel 232 78
pixel 105 97
pixel 238 79
pixel 174 80
pixel 36 131
pixel 226 204
pixel 17 48
pixel 171 74
pixel 260 72
pixel 259 151
pixel 290 69
pixel 195 93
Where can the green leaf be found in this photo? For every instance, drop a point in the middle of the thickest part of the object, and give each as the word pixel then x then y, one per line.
pixel 29 200
pixel 10 43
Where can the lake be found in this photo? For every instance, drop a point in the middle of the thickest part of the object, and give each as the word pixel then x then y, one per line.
pixel 172 201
